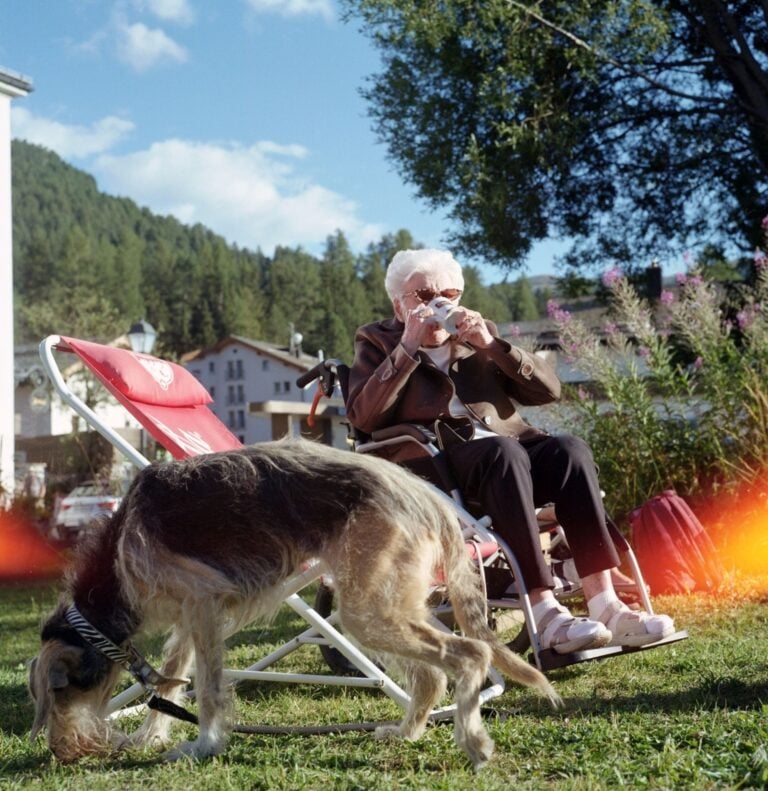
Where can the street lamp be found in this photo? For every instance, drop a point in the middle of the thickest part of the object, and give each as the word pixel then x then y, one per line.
pixel 39 398
pixel 142 336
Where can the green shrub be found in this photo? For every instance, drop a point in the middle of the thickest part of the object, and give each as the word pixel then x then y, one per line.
pixel 677 395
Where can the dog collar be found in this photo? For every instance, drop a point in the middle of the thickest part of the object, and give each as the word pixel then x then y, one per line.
pixel 128 658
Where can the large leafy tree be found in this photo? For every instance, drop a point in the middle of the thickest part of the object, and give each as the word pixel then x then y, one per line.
pixel 635 127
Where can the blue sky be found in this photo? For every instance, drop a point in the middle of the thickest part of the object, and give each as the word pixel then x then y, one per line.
pixel 243 115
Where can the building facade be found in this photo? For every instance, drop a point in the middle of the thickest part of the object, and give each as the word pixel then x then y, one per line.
pixel 253 386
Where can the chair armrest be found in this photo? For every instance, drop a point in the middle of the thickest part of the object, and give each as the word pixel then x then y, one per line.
pixel 419 433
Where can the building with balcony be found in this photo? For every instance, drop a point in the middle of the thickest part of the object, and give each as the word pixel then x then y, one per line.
pixel 253 386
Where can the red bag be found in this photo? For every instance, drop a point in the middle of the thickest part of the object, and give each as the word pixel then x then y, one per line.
pixel 673 549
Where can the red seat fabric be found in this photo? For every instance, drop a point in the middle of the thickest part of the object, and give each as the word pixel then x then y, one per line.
pixel 163 396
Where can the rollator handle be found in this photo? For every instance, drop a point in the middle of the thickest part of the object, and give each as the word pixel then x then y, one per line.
pixel 325 372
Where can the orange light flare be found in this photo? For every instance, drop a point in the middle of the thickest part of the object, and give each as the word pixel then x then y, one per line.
pixel 24 552
pixel 738 526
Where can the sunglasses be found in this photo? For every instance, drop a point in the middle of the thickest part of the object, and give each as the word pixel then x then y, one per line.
pixel 427 294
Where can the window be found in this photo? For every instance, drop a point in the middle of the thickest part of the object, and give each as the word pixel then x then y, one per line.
pixel 211 367
pixel 241 418
pixel 235 369
pixel 230 394
pixel 265 365
pixel 231 418
pixel 240 394
pixel 278 388
pixel 286 387
pixel 212 391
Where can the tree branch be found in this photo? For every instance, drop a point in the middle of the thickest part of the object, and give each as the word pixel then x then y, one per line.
pixel 749 69
pixel 750 91
pixel 612 61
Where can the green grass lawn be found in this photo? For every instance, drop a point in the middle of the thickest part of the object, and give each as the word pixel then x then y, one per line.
pixel 693 714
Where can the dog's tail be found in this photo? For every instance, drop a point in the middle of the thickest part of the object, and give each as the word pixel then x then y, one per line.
pixel 467 596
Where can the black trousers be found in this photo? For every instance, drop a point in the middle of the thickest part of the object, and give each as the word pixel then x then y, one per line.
pixel 510 479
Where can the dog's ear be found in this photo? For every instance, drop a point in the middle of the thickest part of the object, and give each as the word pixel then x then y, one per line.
pixel 63 663
pixel 41 697
pixel 48 674
pixel 57 675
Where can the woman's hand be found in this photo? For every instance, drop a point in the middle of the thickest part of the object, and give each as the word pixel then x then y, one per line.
pixel 472 329
pixel 419 325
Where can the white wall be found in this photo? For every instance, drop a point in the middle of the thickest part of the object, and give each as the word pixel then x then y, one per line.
pixel 262 375
pixel 58 418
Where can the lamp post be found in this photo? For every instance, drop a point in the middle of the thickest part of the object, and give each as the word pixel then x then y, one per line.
pixel 39 398
pixel 142 336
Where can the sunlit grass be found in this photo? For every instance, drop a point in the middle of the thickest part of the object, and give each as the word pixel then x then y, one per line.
pixel 693 714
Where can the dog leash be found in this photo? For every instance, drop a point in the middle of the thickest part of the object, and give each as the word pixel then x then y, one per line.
pixel 131 660
pixel 128 658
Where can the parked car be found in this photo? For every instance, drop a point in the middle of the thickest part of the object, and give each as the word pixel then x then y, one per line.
pixel 82 505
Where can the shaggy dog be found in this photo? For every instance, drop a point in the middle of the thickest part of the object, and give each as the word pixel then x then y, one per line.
pixel 203 546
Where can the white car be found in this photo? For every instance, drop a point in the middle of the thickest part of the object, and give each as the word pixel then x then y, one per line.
pixel 83 504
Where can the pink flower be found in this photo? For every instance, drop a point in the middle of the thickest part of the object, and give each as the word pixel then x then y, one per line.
pixel 764 223
pixel 583 394
pixel 681 278
pixel 514 331
pixel 573 349
pixel 556 313
pixel 611 277
pixel 760 259
pixel 610 328
pixel 744 319
pixel 667 298
pixel 698 364
pixel 644 351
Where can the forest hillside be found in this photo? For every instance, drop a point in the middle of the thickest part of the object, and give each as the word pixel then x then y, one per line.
pixel 89 264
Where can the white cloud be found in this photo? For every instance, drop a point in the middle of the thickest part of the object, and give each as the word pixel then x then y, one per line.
pixel 169 10
pixel 92 45
pixel 294 7
pixel 68 140
pixel 142 47
pixel 253 196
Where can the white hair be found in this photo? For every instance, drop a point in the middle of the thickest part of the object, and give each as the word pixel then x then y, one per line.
pixel 426 262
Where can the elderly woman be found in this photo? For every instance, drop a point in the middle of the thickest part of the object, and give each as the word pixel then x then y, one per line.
pixel 410 369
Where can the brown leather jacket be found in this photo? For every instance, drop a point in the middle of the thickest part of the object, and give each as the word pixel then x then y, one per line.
pixel 388 386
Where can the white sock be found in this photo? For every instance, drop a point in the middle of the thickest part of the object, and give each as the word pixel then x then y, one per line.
pixel 597 605
pixel 540 609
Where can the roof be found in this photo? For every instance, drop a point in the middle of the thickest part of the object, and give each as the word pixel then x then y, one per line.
pixel 13 83
pixel 300 361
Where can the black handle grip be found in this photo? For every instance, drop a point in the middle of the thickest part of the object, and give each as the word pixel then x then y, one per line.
pixel 312 374
pixel 325 370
